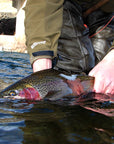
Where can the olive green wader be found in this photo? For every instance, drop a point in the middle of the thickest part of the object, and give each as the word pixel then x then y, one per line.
pixel 55 29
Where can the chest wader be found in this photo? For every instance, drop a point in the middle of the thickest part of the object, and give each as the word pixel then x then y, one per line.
pixel 101 33
pixel 75 50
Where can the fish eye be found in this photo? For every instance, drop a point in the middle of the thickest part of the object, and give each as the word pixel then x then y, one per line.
pixel 12 93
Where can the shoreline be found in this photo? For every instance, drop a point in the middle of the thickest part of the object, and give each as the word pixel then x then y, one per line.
pixel 10 43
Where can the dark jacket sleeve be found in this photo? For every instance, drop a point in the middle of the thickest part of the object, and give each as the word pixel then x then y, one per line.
pixel 43 22
pixel 112 47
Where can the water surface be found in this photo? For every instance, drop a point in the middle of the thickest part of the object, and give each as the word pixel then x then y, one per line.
pixel 90 121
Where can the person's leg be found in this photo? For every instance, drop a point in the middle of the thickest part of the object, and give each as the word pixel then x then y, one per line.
pixel 75 50
pixel 101 26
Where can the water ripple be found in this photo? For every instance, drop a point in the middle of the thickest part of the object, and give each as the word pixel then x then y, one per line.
pixel 60 122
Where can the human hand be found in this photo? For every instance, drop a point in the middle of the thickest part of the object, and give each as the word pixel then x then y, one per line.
pixel 42 64
pixel 104 75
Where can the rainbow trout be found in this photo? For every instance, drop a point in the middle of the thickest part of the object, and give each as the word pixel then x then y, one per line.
pixel 50 84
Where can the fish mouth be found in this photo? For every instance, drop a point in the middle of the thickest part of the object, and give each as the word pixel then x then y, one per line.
pixel 13 97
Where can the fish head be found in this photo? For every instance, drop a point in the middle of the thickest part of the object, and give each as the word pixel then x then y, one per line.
pixel 21 91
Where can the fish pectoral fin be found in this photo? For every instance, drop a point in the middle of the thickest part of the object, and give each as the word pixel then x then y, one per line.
pixel 51 94
pixel 58 94
pixel 55 95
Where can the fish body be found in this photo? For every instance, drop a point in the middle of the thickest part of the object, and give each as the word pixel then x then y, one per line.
pixel 50 84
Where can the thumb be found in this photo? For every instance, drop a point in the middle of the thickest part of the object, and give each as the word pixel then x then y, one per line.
pixel 91 73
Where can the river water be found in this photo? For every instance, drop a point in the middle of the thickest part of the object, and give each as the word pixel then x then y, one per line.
pixel 90 121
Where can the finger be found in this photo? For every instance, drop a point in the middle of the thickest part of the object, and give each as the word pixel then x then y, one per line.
pixel 99 85
pixel 110 89
pixel 92 73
